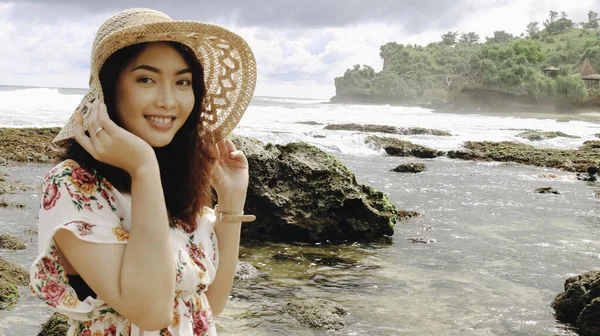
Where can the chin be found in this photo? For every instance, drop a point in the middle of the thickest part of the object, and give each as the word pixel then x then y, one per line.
pixel 159 142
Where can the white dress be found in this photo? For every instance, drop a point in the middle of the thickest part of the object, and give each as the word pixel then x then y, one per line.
pixel 83 202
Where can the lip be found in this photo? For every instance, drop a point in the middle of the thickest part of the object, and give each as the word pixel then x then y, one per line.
pixel 159 126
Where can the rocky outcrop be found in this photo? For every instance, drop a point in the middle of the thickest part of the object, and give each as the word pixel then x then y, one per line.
pixel 590 144
pixel 423 131
pixel 11 243
pixel 410 168
pixel 245 271
pixel 57 325
pixel 362 128
pixel 421 240
pixel 569 160
pixel 387 129
pixel 11 277
pixel 28 144
pixel 546 190
pixel 317 313
pixel 579 304
pixel 301 193
pixel 396 147
pixel 539 135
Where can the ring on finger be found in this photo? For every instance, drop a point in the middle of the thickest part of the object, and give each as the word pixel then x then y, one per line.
pixel 99 129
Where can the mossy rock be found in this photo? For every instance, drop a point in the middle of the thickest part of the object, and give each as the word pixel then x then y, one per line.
pixel 423 131
pixel 569 160
pixel 11 187
pixel 387 129
pixel 57 325
pixel 317 313
pixel 410 168
pixel 362 128
pixel 406 214
pixel 579 291
pixel 28 144
pixel 588 322
pixel 301 193
pixel 396 147
pixel 11 276
pixel 11 243
pixel 591 144
pixel 9 294
pixel 539 135
pixel 546 190
pixel 6 204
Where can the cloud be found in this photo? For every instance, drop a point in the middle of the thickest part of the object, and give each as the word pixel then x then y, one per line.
pixel 412 15
pixel 300 46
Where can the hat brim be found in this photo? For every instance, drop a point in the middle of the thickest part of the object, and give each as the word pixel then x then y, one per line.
pixel 229 71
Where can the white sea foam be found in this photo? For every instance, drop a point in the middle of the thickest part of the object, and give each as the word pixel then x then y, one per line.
pixel 283 120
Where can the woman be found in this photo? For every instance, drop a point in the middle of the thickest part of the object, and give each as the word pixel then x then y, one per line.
pixel 138 253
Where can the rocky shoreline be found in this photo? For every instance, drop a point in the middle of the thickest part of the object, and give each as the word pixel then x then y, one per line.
pixel 307 197
pixel 317 211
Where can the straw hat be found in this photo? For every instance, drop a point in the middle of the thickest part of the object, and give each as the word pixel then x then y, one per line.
pixel 229 65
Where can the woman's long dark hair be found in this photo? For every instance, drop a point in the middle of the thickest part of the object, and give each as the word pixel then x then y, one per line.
pixel 185 165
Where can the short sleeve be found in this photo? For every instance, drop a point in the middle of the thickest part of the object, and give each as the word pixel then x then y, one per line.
pixel 205 236
pixel 79 200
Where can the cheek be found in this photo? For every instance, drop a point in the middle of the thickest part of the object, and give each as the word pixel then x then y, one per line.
pixel 188 102
pixel 130 101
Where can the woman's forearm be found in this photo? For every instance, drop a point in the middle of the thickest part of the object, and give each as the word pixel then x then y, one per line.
pixel 148 272
pixel 228 235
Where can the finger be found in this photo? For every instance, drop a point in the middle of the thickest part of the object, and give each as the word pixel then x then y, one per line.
pixel 104 122
pixel 80 136
pixel 109 125
pixel 237 155
pixel 94 124
pixel 230 146
pixel 222 148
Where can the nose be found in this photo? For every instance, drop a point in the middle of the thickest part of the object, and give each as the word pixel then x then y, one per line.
pixel 166 97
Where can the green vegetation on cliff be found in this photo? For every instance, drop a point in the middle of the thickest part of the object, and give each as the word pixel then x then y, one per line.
pixel 503 63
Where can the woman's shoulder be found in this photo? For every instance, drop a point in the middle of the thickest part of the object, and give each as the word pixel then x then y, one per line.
pixel 85 179
pixel 72 168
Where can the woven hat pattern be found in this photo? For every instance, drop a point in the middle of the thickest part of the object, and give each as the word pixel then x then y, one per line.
pixel 228 62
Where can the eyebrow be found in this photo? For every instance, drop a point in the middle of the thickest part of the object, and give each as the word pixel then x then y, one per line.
pixel 158 71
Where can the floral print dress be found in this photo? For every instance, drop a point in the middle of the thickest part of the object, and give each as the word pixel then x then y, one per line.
pixel 80 200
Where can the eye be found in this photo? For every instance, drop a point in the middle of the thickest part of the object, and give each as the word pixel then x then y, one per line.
pixel 145 80
pixel 184 82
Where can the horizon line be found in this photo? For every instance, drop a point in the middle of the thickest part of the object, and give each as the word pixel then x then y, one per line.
pixel 75 88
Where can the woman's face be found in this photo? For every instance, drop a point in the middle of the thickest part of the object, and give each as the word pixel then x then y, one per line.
pixel 154 94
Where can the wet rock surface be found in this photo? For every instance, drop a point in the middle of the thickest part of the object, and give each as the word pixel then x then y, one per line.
pixel 579 304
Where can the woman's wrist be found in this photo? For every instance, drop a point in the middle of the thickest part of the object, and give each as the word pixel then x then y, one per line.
pixel 233 204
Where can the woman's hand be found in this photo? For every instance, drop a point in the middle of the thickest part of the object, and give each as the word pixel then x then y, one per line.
pixel 113 144
pixel 229 176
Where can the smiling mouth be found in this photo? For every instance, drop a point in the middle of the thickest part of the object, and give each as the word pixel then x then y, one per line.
pixel 163 121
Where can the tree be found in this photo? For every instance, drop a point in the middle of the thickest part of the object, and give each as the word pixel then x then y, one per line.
pixel 564 22
pixel 571 87
pixel 388 49
pixel 592 20
pixel 387 52
pixel 558 25
pixel 533 30
pixel 449 38
pixel 499 36
pixel 550 23
pixel 469 38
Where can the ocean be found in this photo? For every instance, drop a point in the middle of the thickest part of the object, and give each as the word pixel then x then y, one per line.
pixel 499 253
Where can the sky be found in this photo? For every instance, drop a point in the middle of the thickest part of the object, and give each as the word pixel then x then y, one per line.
pixel 300 45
